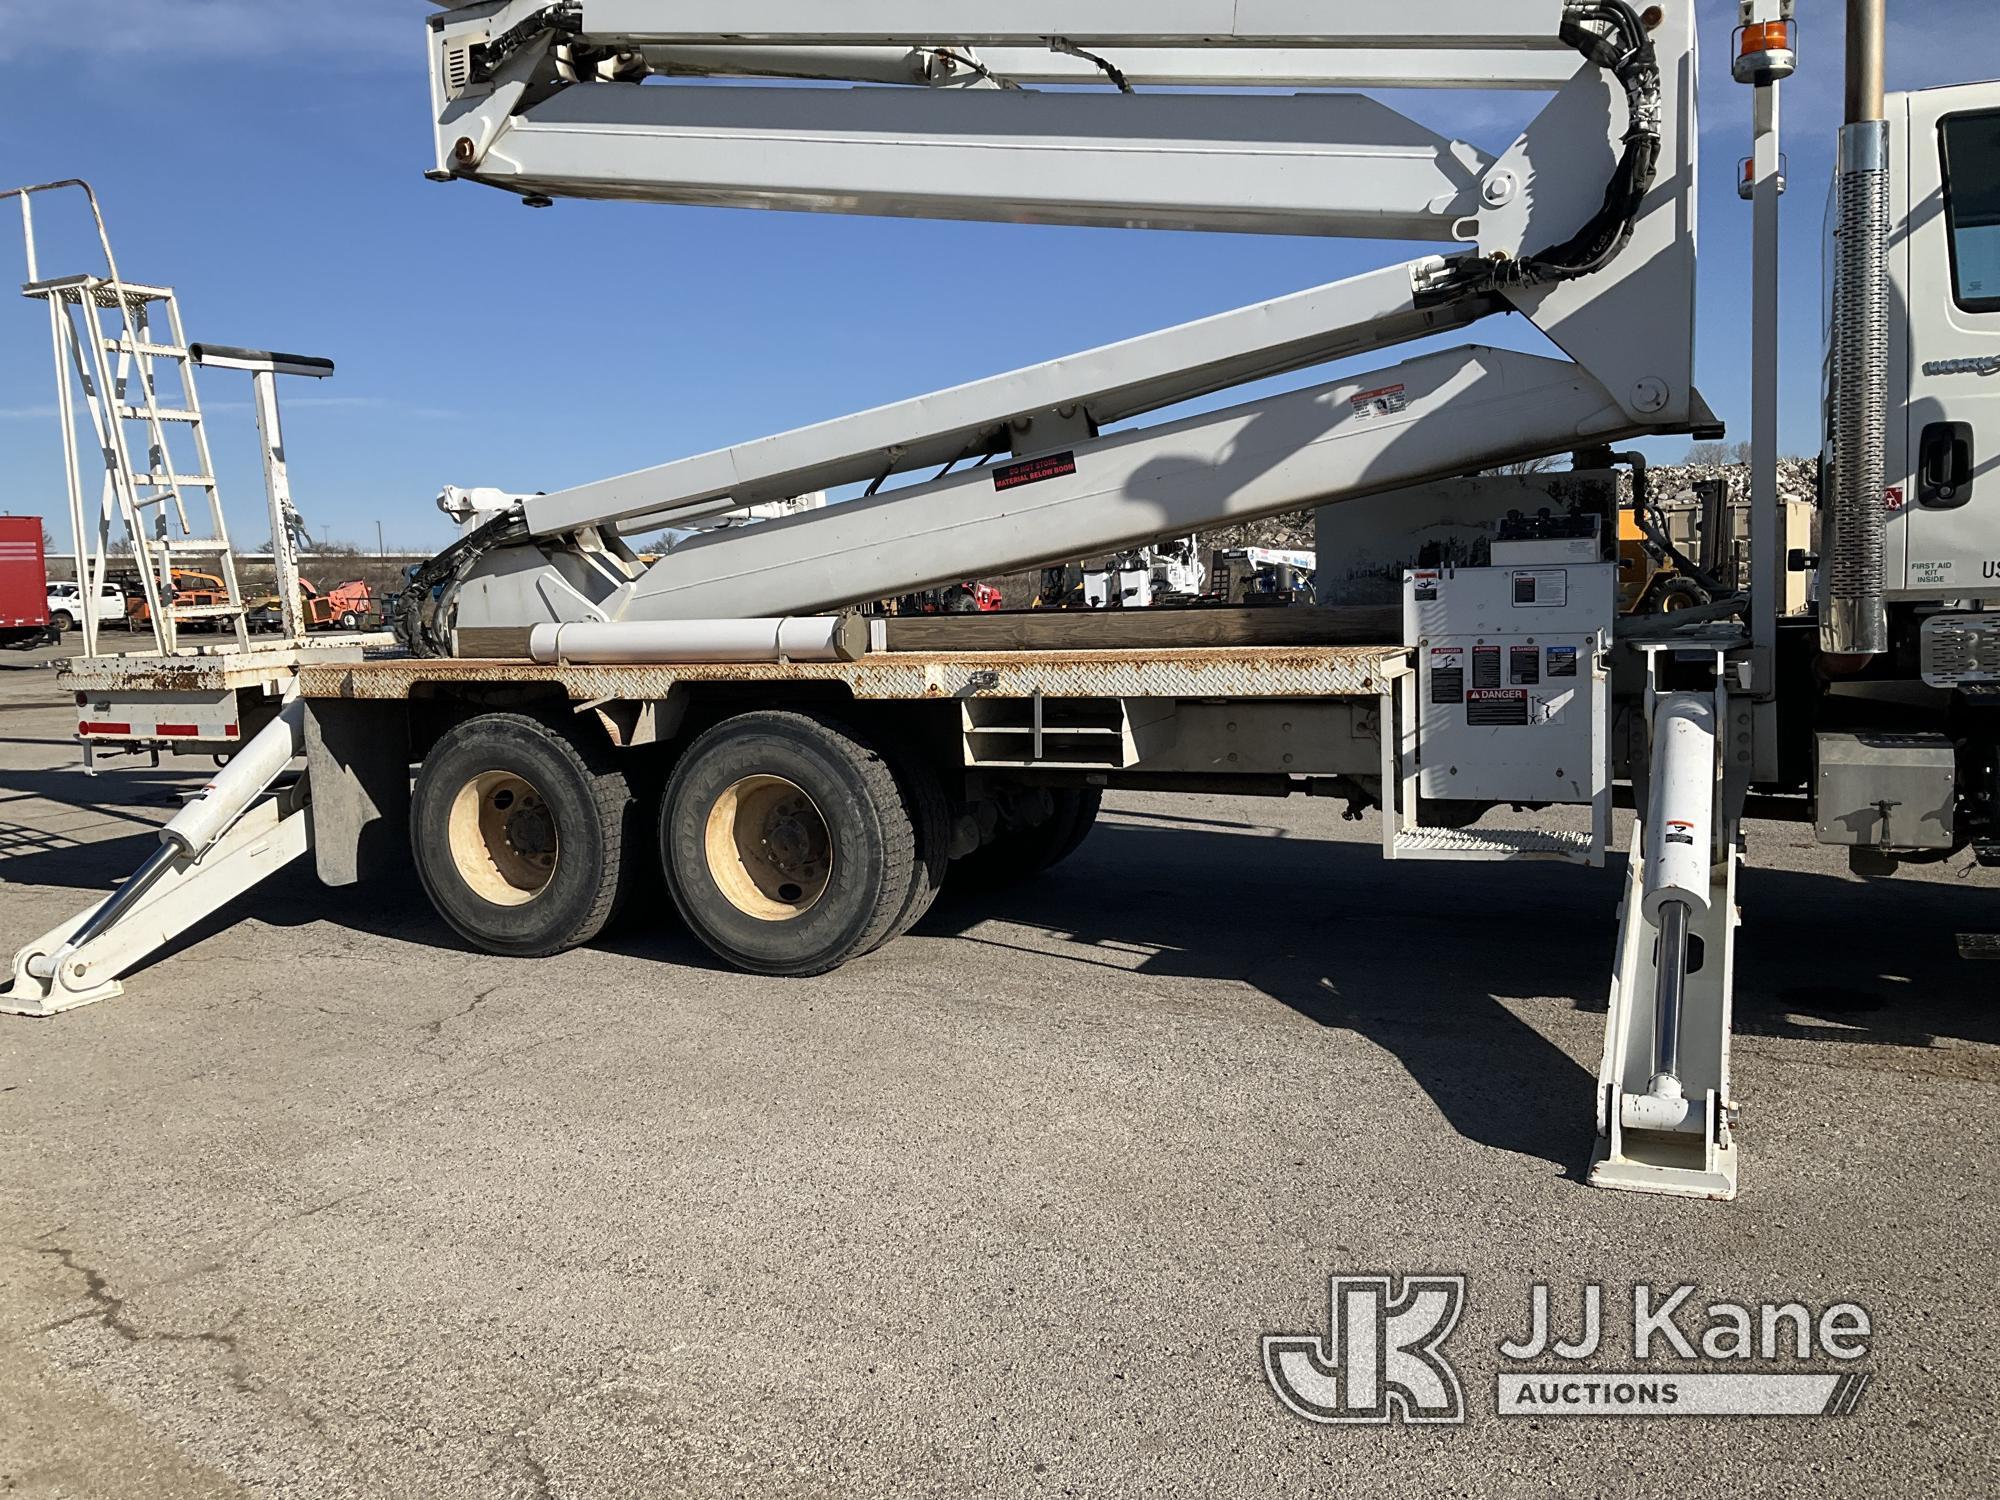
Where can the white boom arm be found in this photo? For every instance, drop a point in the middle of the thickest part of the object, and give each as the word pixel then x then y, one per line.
pixel 1581 225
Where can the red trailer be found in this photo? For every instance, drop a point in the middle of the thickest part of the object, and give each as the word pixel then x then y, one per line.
pixel 24 582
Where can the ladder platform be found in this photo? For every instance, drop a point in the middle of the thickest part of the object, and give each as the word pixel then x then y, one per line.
pixel 75 290
pixel 1496 844
pixel 209 611
pixel 164 414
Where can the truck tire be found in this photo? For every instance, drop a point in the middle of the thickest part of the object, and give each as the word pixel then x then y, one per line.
pixel 790 845
pixel 523 834
pixel 350 621
pixel 62 622
pixel 1019 853
pixel 930 823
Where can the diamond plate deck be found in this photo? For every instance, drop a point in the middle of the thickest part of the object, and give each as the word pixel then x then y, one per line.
pixel 214 671
pixel 1212 672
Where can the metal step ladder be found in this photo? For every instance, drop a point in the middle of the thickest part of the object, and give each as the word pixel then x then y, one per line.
pixel 122 347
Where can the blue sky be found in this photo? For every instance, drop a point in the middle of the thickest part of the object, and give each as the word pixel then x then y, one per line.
pixel 265 157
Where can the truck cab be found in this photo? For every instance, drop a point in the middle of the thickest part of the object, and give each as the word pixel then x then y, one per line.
pixel 1943 492
pixel 1906 743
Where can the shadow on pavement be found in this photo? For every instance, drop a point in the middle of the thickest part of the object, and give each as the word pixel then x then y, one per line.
pixel 1430 964
pixel 1415 963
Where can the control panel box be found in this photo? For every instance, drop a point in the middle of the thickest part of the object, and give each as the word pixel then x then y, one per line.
pixel 1513 703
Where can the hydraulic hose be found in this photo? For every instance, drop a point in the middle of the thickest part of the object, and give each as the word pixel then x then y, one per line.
pixel 1627 51
pixel 423 624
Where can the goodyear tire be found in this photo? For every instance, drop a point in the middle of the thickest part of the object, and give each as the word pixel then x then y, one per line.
pixel 790 845
pixel 1018 854
pixel 523 834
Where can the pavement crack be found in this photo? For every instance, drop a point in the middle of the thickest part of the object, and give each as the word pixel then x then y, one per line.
pixel 517 1451
pixel 433 1031
pixel 108 1308
pixel 112 1312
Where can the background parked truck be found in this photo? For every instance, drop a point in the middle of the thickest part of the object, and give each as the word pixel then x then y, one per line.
pixel 24 582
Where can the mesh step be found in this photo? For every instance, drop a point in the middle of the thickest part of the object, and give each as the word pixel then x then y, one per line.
pixel 155 351
pixel 207 611
pixel 1494 843
pixel 165 414
pixel 76 289
pixel 1961 651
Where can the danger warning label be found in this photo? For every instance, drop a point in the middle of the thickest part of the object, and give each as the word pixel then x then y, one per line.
pixel 1496 708
pixel 1447 674
pixel 1034 471
pixel 1386 402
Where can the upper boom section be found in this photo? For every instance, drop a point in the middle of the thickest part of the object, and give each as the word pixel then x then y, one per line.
pixel 1141 67
pixel 1584 224
pixel 547 101
pixel 1525 24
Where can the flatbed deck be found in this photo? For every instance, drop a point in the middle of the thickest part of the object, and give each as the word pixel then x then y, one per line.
pixel 1197 672
pixel 224 669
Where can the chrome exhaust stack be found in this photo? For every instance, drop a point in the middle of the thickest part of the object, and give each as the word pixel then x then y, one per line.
pixel 1853 620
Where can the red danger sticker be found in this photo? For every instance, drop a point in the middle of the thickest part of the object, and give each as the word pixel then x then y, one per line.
pixel 1034 471
pixel 1386 402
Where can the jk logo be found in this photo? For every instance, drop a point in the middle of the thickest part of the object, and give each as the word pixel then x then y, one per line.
pixel 1379 1360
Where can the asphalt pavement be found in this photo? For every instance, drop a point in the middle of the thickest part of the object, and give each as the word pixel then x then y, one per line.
pixel 327 1205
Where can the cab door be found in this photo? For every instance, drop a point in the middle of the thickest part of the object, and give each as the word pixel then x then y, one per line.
pixel 1949 502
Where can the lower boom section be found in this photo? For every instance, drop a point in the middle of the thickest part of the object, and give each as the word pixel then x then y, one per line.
pixel 1440 415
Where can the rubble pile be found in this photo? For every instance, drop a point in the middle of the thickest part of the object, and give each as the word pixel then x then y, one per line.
pixel 1292 532
pixel 1798 480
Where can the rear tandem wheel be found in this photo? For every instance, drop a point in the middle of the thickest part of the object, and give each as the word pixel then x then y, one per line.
pixel 792 845
pixel 522 834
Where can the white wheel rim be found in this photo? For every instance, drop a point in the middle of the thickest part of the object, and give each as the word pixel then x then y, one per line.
pixel 503 838
pixel 768 849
